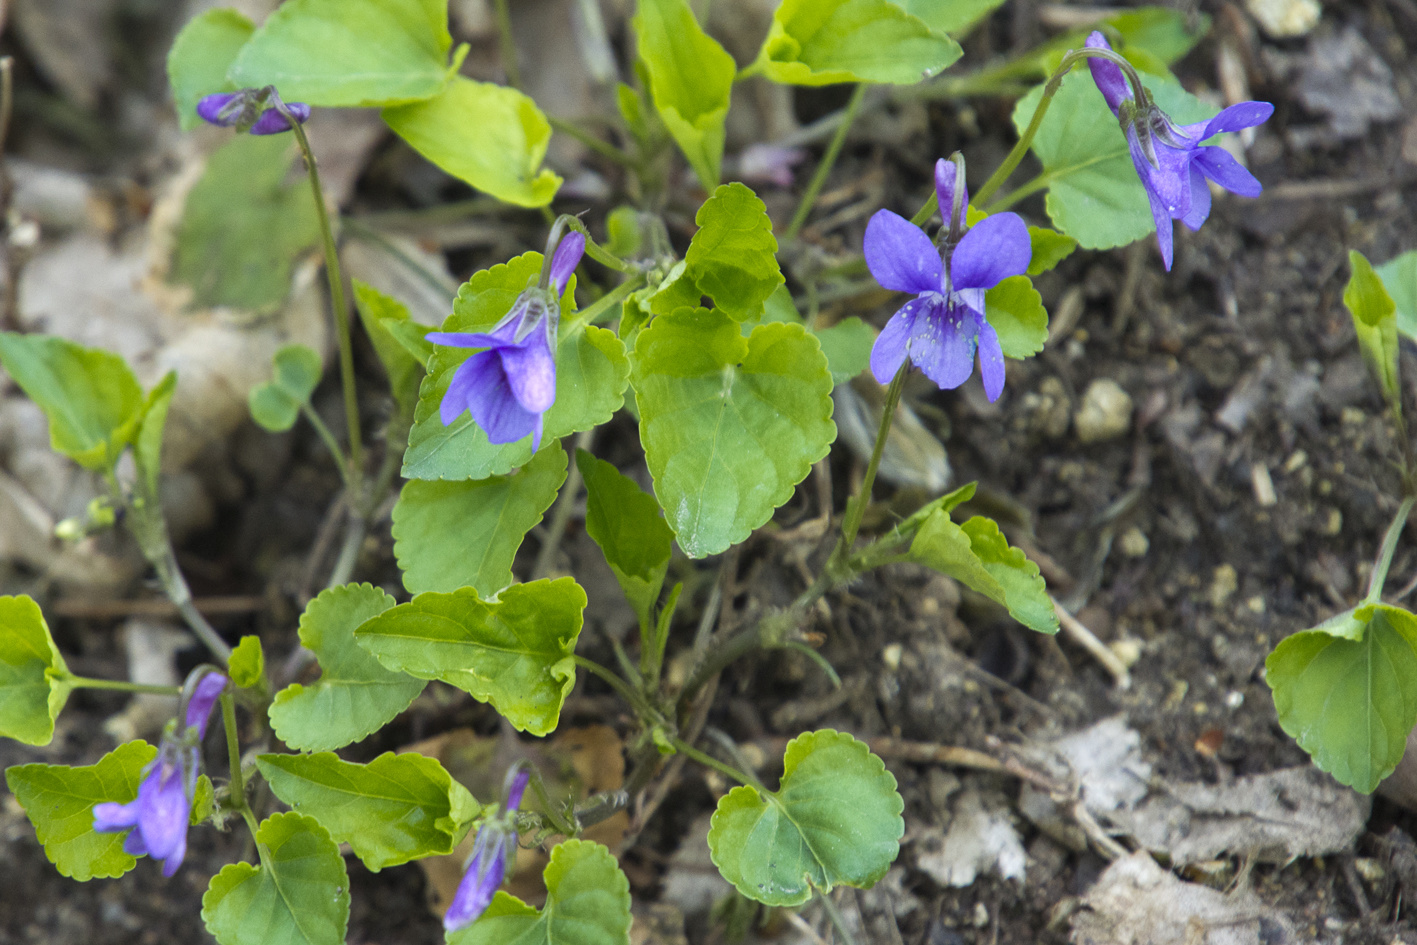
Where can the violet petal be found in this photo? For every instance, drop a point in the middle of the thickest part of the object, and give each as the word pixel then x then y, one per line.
pixel 1238 117
pixel 994 249
pixel 945 192
pixel 1220 166
pixel 1108 75
pixel 900 255
pixel 991 358
pixel 210 107
pixel 531 372
pixel 889 351
pixel 204 697
pixel 568 256
pixel 1200 199
pixel 943 343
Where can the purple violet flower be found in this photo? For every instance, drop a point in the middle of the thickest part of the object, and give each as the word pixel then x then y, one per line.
pixel 1170 160
pixel 487 866
pixel 943 326
pixel 511 383
pixel 251 110
pixel 159 817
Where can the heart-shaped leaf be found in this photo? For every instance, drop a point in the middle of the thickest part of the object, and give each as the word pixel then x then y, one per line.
pixel 394 809
pixel 90 397
pixel 729 425
pixel 732 257
pixel 299 895
pixel 820 42
pixel 34 682
pixel 490 136
pixel 449 535
pixel 1346 691
pixel 354 695
pixel 275 404
pixel 515 651
pixel 349 53
pixel 59 801
pixel 834 821
pixel 587 903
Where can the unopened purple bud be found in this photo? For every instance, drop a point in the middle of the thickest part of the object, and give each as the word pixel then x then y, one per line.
pixel 516 787
pixel 486 869
pixel 567 258
pixel 273 122
pixel 223 108
pixel 204 696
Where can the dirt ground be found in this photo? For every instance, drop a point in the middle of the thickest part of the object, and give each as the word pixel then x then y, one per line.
pixel 1243 501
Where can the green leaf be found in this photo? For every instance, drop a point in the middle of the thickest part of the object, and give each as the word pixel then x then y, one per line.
pixel 59 801
pixel 949 16
pixel 391 329
pixel 847 345
pixel 1094 194
pixel 626 523
pixel 732 258
pixel 977 555
pixel 729 425
pixel 834 821
pixel 1400 279
pixel 354 695
pixel 349 53
pixel 1375 320
pixel 515 651
pixel 200 57
pixel 34 682
pixel 1049 248
pixel 449 535
pixel 1164 33
pixel 820 42
pixel 1350 701
pixel 1015 310
pixel 395 809
pixel 243 227
pixel 247 665
pixel 592 372
pixel 275 404
pixel 299 895
pixel 690 80
pixel 90 397
pixel 490 136
pixel 147 445
pixel 587 903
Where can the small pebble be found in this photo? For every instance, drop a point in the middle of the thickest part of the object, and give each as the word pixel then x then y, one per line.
pixel 1134 543
pixel 1223 584
pixel 890 655
pixel 1106 412
pixel 1284 18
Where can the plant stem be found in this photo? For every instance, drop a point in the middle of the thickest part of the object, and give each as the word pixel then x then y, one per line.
pixel 742 777
pixel 508 44
pixel 603 148
pixel 809 197
pixel 856 506
pixel 84 682
pixel 565 505
pixel 237 789
pixel 626 691
pixel 1384 560
pixel 340 312
pixel 328 439
pixel 838 921
pixel 1001 174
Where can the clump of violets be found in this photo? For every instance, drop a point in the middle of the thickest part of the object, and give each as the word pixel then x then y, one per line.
pixel 159 817
pixel 487 867
pixel 1170 160
pixel 257 111
pixel 944 325
pixel 511 383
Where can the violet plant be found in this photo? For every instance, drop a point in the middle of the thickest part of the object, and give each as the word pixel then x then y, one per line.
pixel 732 396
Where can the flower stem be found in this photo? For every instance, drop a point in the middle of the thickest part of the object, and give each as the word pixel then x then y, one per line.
pixel 814 187
pixel 1384 561
pixel 1001 174
pixel 237 789
pixel 838 921
pixel 508 44
pixel 328 439
pixel 603 148
pixel 565 505
pixel 340 312
pixel 856 506
pixel 84 682
pixel 626 691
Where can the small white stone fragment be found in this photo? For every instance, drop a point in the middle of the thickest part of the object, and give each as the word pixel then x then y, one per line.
pixel 1105 413
pixel 1284 18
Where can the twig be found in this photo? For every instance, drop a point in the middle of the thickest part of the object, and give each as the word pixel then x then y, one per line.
pixel 1105 844
pixel 1084 637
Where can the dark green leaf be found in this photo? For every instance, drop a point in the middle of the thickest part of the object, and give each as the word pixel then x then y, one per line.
pixel 395 809
pixel 354 695
pixel 834 821
pixel 449 535
pixel 515 651
pixel 90 397
pixel 299 895
pixel 977 555
pixel 729 425
pixel 59 801
pixel 626 523
pixel 392 331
